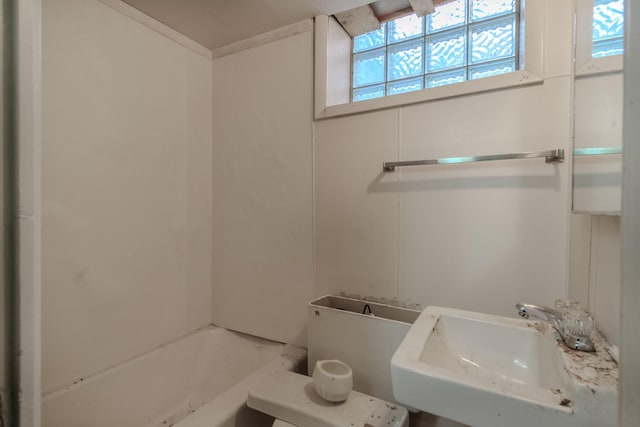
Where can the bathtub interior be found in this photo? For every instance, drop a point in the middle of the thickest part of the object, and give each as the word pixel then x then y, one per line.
pixel 230 409
pixel 226 362
pixel 161 387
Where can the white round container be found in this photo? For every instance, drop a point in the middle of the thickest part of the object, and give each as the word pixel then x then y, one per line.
pixel 333 380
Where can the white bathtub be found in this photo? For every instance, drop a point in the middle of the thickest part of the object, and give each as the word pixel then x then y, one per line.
pixel 198 381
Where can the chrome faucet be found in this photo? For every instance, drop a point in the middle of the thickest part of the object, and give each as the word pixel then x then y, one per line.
pixel 555 317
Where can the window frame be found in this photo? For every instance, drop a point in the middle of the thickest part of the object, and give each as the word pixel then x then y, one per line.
pixel 586 65
pixel 325 106
pixel 467 66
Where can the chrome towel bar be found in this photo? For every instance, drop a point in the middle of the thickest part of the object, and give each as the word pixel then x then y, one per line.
pixel 550 156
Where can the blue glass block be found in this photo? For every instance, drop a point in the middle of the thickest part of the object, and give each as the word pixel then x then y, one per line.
pixel 368 67
pixel 405 59
pixel 445 78
pixel 405 28
pixel 493 40
pixel 368 92
pixel 608 19
pixel 608 47
pixel 448 15
pixel 492 69
pixel 483 9
pixel 402 86
pixel 446 50
pixel 370 40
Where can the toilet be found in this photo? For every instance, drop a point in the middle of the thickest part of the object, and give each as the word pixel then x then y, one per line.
pixel 338 328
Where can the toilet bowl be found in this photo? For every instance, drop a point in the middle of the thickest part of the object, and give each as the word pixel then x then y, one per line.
pixel 292 399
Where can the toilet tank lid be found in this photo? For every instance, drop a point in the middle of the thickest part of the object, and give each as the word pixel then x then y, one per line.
pixel 292 398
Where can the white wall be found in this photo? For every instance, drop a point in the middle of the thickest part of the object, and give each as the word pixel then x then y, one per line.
pixel 126 189
pixel 28 133
pixel 479 237
pixel 262 188
pixel 595 270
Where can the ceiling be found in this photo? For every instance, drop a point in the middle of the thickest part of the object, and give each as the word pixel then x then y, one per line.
pixel 216 23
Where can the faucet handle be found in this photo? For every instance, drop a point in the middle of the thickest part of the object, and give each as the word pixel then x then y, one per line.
pixel 578 323
pixel 564 304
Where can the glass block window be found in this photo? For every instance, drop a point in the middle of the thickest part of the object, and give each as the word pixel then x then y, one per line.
pixel 608 28
pixel 462 40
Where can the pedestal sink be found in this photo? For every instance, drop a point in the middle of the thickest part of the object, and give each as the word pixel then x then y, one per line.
pixel 493 371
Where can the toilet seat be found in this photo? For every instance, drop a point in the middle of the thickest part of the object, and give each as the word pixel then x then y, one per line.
pixel 291 398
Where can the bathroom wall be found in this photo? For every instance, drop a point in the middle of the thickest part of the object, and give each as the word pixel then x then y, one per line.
pixel 262 187
pixel 595 270
pixel 126 181
pixel 480 237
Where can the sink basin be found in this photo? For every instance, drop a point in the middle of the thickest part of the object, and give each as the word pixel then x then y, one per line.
pixel 493 371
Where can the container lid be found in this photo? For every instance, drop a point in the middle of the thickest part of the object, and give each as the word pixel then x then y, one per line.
pixel 292 398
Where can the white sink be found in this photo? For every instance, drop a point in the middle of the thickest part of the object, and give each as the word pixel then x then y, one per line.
pixel 493 371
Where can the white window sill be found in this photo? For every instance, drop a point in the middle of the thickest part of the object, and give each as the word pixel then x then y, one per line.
pixel 518 78
pixel 591 66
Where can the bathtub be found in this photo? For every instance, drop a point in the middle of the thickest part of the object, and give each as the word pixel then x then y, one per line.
pixel 200 380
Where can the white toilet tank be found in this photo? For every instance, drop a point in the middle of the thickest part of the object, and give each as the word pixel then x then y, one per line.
pixel 362 334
